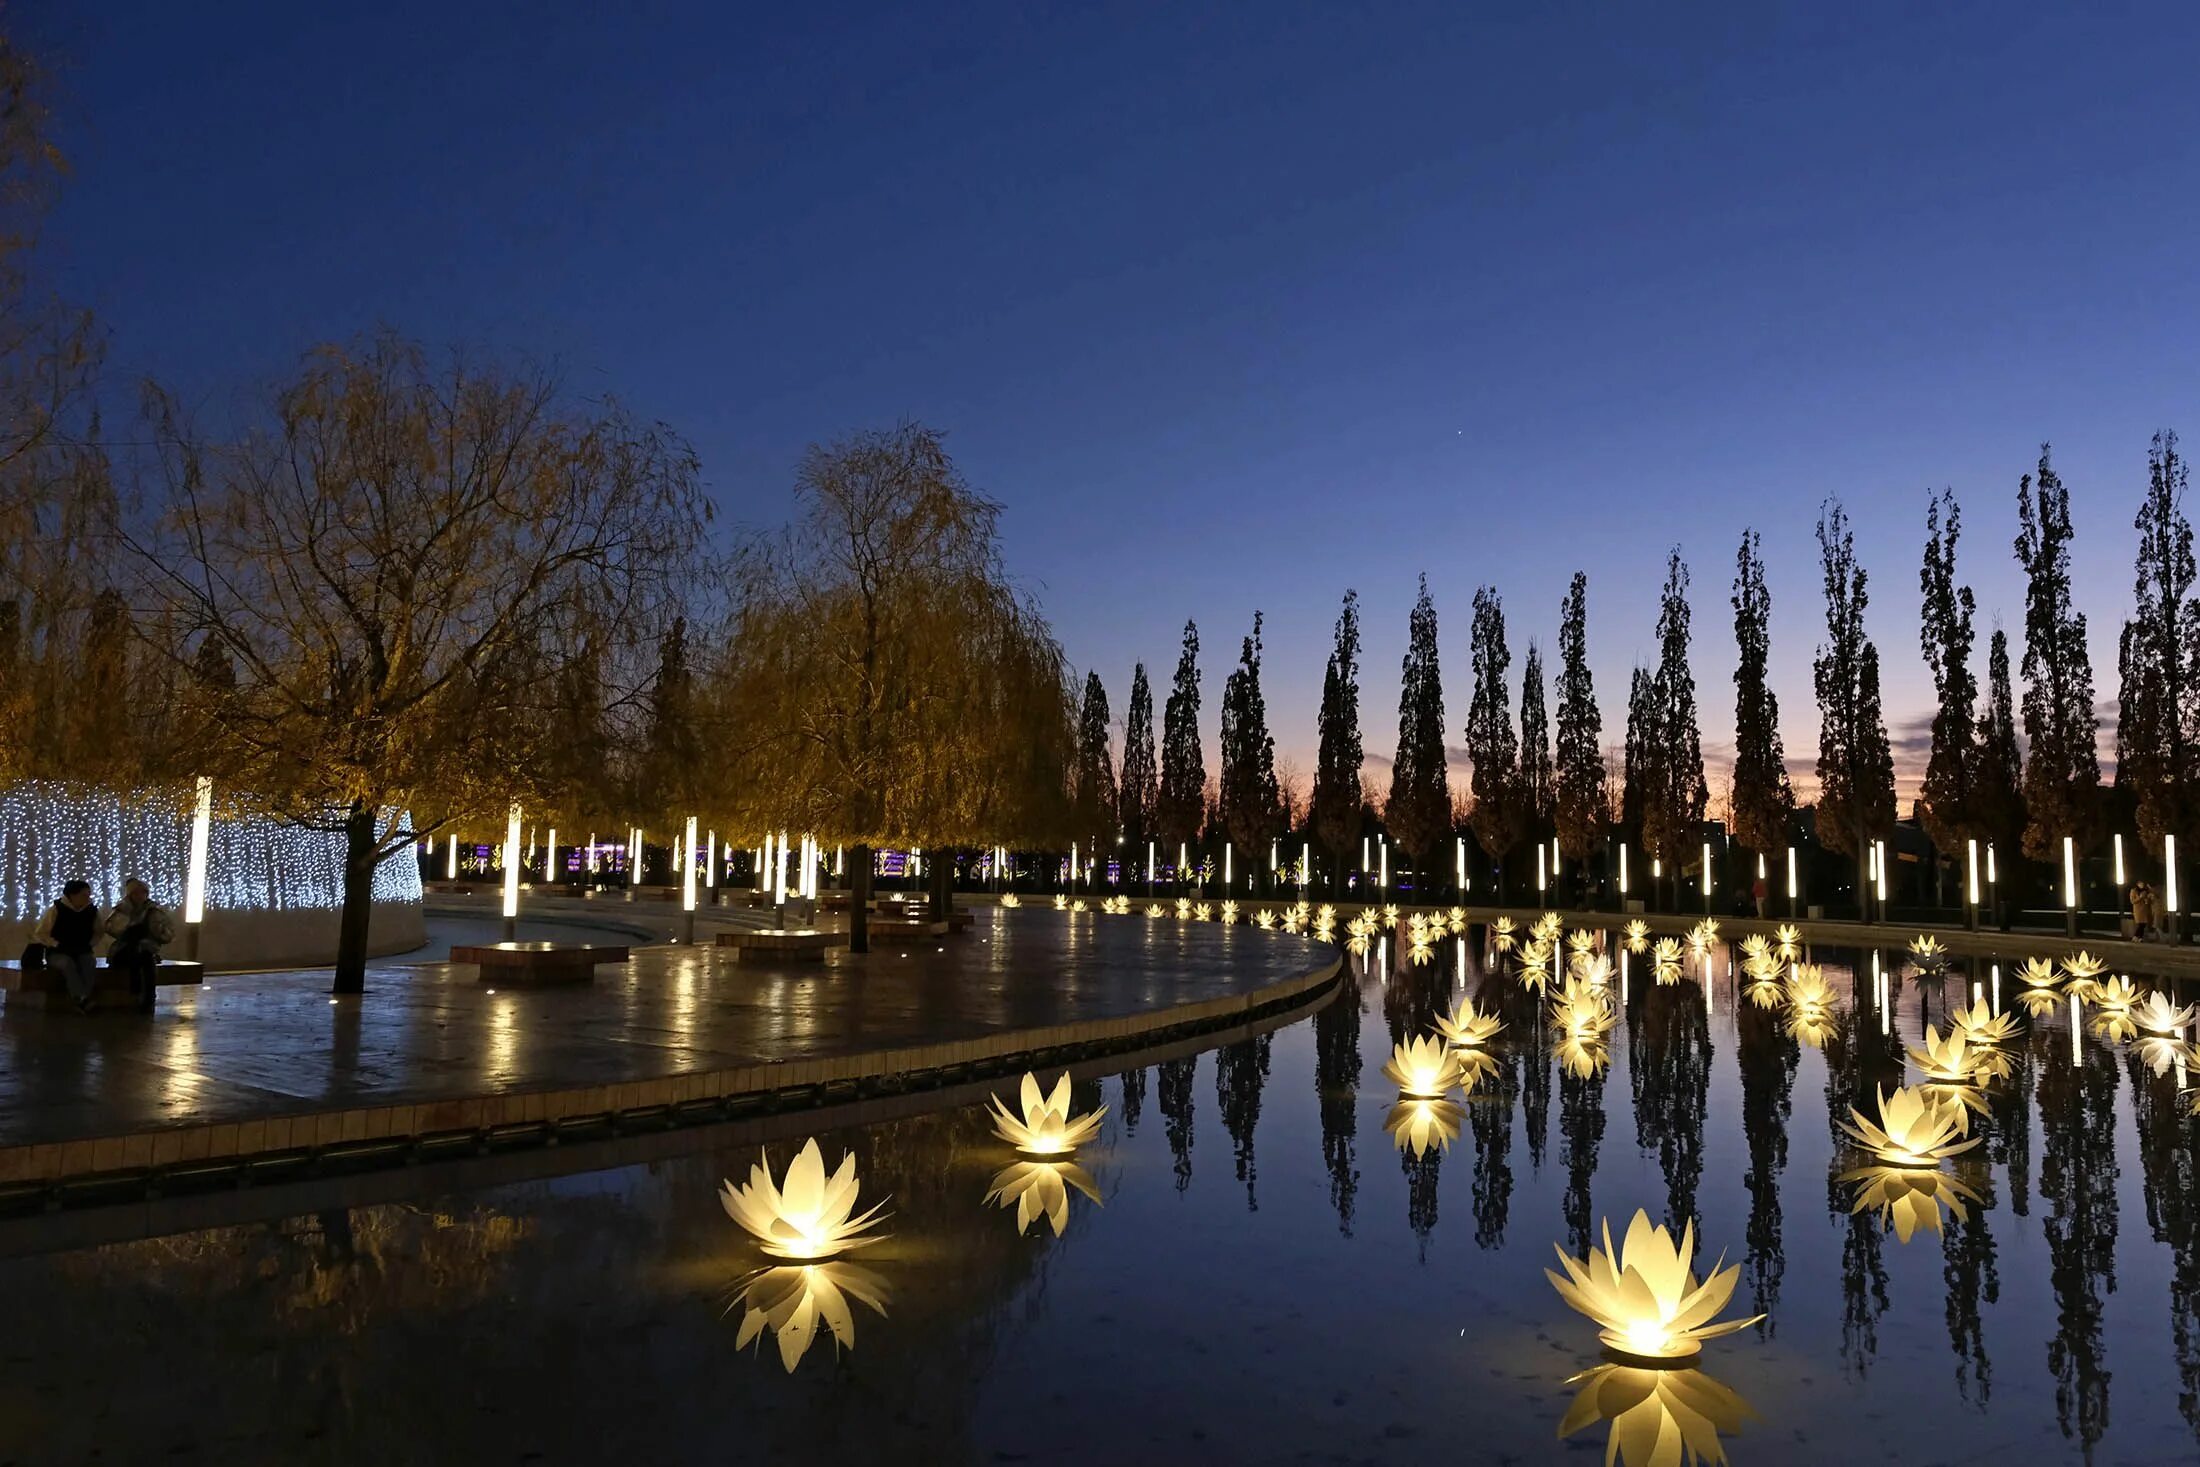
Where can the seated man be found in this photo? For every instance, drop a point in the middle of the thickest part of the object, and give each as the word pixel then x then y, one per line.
pixel 140 928
pixel 65 931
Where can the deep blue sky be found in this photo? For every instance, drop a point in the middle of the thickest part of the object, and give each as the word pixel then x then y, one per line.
pixel 1232 308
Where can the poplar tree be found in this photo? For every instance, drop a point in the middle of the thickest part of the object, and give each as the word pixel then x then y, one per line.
pixel 1181 804
pixel 1946 634
pixel 1764 800
pixel 1675 793
pixel 1538 790
pixel 1997 773
pixel 1139 789
pixel 2156 749
pixel 1855 800
pixel 1092 779
pixel 2062 771
pixel 1418 812
pixel 1498 820
pixel 1250 804
pixel 1640 768
pixel 1338 794
pixel 1580 776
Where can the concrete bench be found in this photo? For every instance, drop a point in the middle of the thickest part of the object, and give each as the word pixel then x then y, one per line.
pixel 897 926
pixel 110 986
pixel 783 944
pixel 522 964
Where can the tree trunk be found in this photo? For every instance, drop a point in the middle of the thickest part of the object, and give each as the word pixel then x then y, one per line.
pixel 859 899
pixel 351 932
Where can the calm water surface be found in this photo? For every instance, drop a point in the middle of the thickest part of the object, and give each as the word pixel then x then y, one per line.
pixel 1267 1277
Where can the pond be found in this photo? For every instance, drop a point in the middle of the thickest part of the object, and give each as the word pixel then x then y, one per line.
pixel 1265 1275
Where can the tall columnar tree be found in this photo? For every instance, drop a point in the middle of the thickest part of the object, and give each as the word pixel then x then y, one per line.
pixel 1251 805
pixel 1538 785
pixel 1946 635
pixel 1092 778
pixel 1639 771
pixel 2158 724
pixel 668 773
pixel 1499 818
pixel 1418 813
pixel 1997 771
pixel 1580 776
pixel 1855 799
pixel 1338 792
pixel 1764 800
pixel 1676 793
pixel 1140 788
pixel 1181 806
pixel 2062 771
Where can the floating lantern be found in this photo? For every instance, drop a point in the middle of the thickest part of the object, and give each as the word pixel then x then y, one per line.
pixel 808 1217
pixel 1467 1027
pixel 2161 1015
pixel 1916 1128
pixel 1423 1068
pixel 1046 1127
pixel 791 1299
pixel 1907 1197
pixel 1652 1309
pixel 1638 935
pixel 1041 1189
pixel 1501 935
pixel 1417 1124
pixel 1659 1418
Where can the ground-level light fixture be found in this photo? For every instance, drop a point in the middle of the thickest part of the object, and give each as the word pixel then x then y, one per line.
pixel 194 877
pixel 511 872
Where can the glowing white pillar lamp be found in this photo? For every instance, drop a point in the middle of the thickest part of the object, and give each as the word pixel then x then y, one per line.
pixel 1994 974
pixel 634 863
pixel 1657 868
pixel 1275 856
pixel 511 873
pixel 2070 874
pixel 687 881
pixel 550 856
pixel 451 874
pixel 1461 856
pixel 2169 873
pixel 1306 862
pixel 1707 872
pixel 840 867
pixel 1880 846
pixel 1229 877
pixel 710 861
pixel 1363 853
pixel 1542 868
pixel 1760 865
pixel 1151 874
pixel 1991 878
pixel 1383 880
pixel 1623 868
pixel 2119 860
pixel 591 853
pixel 1971 857
pixel 1073 863
pixel 194 874
pixel 779 873
pixel 1183 855
pixel 1793 890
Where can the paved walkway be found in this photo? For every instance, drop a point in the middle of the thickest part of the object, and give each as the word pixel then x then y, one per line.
pixel 264 1062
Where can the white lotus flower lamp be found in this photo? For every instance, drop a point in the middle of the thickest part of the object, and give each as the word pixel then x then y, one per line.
pixel 1917 1128
pixel 2161 1015
pixel 1638 936
pixel 808 1217
pixel 1788 940
pixel 1423 1068
pixel 1046 1128
pixel 1653 1311
pixel 1980 1025
pixel 1467 1027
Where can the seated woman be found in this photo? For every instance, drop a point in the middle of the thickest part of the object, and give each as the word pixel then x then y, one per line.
pixel 66 931
pixel 140 927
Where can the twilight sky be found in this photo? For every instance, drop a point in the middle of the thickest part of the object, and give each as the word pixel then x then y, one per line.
pixel 1233 307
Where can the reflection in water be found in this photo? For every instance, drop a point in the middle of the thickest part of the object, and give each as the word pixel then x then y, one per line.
pixel 1415 1125
pixel 1240 1071
pixel 2078 1184
pixel 2171 1186
pixel 1669 1048
pixel 791 1299
pixel 1581 1131
pixel 1173 1086
pixel 1336 1085
pixel 1768 1057
pixel 1967 1251
pixel 1659 1418
pixel 1133 1090
pixel 1040 1189
pixel 1908 1198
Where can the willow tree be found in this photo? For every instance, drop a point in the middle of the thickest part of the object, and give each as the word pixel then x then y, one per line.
pixel 1499 817
pixel 1580 792
pixel 1092 776
pixel 389 561
pixel 884 683
pixel 1141 773
pixel 2158 717
pixel 1181 807
pixel 1248 801
pixel 2062 770
pixel 1418 812
pixel 1945 631
pixel 1339 792
pixel 1763 799
pixel 1855 783
pixel 1675 793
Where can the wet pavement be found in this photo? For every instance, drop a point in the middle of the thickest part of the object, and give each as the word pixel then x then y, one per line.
pixel 269 1044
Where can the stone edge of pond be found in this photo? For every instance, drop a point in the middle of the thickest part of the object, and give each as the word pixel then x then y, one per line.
pixel 144 1163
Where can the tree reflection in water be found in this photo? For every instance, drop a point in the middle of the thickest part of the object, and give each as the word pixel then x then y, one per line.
pixel 1241 1070
pixel 1173 1088
pixel 1132 1085
pixel 1767 1057
pixel 2169 1142
pixel 2078 1186
pixel 1967 1253
pixel 1669 1062
pixel 1859 1060
pixel 1336 1089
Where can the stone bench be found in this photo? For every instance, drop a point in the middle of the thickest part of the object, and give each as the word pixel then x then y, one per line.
pixel 522 964
pixel 784 944
pixel 896 926
pixel 110 985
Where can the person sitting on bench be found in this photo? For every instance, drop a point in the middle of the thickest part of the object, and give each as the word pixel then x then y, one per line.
pixel 140 928
pixel 66 931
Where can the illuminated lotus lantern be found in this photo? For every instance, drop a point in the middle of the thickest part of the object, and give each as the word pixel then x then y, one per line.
pixel 1416 922
pixel 1265 920
pixel 2163 1053
pixel 1039 1189
pixel 1638 936
pixel 1010 899
pixel 1583 1059
pixel 1766 993
pixel 1582 1005
pixel 1423 1068
pixel 2118 993
pixel 1468 1028
pixel 1183 908
pixel 1475 1066
pixel 2161 1015
pixel 1061 902
pixel 1203 912
pixel 1390 915
pixel 1807 987
pixel 1652 1309
pixel 1788 942
pixel 1535 965
pixel 1156 911
pixel 1909 1198
pixel 1292 922
pixel 1046 1127
pixel 807 1217
pixel 1326 913
pixel 1927 955
pixel 1418 951
pixel 1501 935
pixel 793 1299
pixel 1230 911
pixel 1548 926
pixel 1457 918
pixel 1980 1025
pixel 1953 1060
pixel 1325 926
pixel 1594 969
pixel 1580 943
pixel 1665 961
pixel 1701 937
pixel 1757 958
pixel 2081 968
pixel 1917 1127
pixel 1659 1418
pixel 1078 905
pixel 2114 1025
pixel 1417 1124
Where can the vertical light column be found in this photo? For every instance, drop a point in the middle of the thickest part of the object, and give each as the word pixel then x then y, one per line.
pixel 1073 865
pixel 687 882
pixel 1183 853
pixel 590 863
pixel 2119 862
pixel 1151 874
pixel 1879 848
pixel 1364 855
pixel 1542 870
pixel 511 873
pixel 1994 974
pixel 451 853
pixel 1971 886
pixel 1460 856
pixel 840 864
pixel 1793 890
pixel 2169 880
pixel 1306 864
pixel 710 865
pixel 550 857
pixel 1623 870
pixel 1229 876
pixel 194 872
pixel 2070 886
pixel 1384 880
pixel 633 862
pixel 779 873
pixel 1707 878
